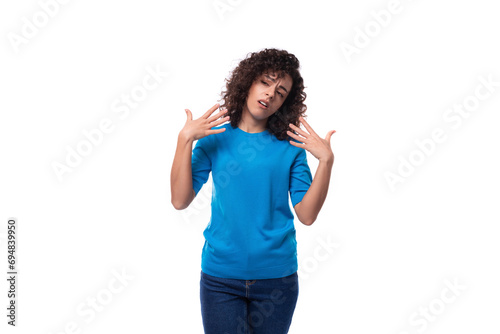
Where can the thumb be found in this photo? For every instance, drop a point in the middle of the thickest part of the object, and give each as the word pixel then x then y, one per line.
pixel 189 115
pixel 329 135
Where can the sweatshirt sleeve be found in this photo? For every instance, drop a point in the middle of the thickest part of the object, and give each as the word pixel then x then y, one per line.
pixel 201 164
pixel 300 177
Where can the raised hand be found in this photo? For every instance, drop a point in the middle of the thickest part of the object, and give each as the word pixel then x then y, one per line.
pixel 313 143
pixel 201 127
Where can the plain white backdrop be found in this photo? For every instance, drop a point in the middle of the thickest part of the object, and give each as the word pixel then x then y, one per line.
pixel 102 250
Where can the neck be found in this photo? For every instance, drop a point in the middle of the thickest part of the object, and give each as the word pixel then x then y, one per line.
pixel 249 124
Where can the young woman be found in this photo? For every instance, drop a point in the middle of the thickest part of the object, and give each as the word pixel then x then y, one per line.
pixel 248 279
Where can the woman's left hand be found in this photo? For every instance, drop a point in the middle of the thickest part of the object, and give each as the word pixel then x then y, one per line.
pixel 313 143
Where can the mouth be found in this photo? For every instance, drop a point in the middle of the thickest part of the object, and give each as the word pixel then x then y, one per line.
pixel 263 104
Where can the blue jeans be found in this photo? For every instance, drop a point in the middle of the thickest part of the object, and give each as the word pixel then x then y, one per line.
pixel 234 306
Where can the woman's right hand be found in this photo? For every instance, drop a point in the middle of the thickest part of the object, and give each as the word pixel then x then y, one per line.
pixel 201 127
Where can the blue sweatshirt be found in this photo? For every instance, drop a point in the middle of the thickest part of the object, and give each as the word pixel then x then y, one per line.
pixel 251 233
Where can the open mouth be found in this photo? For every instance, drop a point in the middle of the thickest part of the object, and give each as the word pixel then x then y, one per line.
pixel 263 104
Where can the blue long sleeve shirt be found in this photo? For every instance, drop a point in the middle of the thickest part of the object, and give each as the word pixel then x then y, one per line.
pixel 251 233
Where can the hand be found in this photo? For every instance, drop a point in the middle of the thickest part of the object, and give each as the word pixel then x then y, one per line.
pixel 201 127
pixel 318 147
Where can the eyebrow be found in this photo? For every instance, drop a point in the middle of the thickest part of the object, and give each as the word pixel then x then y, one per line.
pixel 273 80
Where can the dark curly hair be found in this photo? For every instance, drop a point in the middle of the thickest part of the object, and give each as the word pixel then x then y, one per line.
pixel 248 70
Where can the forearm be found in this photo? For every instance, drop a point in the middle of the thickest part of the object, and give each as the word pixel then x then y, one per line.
pixel 308 209
pixel 181 179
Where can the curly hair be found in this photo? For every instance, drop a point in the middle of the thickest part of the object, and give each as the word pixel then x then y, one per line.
pixel 248 70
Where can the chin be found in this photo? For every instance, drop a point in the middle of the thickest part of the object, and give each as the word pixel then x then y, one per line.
pixel 259 114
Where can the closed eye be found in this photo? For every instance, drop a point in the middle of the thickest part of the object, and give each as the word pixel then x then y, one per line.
pixel 265 83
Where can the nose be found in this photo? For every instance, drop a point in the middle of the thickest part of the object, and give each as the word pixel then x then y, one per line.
pixel 270 92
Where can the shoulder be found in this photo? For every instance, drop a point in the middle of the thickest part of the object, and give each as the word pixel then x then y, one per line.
pixel 294 150
pixel 212 139
pixel 222 135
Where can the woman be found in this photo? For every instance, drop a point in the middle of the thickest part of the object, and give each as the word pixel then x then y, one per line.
pixel 248 281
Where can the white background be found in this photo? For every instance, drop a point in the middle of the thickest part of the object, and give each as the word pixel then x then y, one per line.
pixel 396 247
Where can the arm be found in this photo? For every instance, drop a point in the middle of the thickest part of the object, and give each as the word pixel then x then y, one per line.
pixel 181 176
pixel 181 182
pixel 308 209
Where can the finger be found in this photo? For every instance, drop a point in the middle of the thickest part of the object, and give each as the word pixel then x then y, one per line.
pixel 216 116
pixel 189 114
pixel 329 135
pixel 210 111
pixel 308 127
pixel 294 143
pixel 220 121
pixel 294 136
pixel 299 130
pixel 212 132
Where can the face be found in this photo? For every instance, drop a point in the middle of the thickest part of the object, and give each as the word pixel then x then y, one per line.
pixel 267 94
